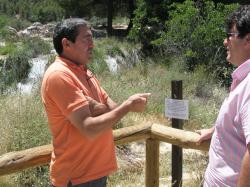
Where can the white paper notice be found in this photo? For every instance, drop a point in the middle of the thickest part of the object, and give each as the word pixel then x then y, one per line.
pixel 177 109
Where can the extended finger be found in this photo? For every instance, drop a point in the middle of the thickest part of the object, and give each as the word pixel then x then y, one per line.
pixel 145 95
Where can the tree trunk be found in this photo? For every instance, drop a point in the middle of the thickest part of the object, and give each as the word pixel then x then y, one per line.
pixel 110 17
pixel 131 13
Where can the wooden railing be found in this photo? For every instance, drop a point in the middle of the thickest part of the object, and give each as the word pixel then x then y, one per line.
pixel 152 134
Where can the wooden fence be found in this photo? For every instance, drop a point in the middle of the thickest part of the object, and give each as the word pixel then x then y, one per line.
pixel 152 134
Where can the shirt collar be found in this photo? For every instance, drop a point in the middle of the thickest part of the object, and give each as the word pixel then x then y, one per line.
pixel 75 66
pixel 71 64
pixel 241 72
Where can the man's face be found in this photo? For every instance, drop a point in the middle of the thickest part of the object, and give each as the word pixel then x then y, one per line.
pixel 235 47
pixel 81 50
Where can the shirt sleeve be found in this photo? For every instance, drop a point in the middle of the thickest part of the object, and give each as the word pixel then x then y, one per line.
pixel 64 92
pixel 104 95
pixel 245 120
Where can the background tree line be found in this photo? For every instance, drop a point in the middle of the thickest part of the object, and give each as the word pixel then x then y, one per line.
pixel 54 10
pixel 193 29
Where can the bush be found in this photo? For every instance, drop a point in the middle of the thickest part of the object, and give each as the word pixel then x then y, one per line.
pixel 193 29
pixel 9 27
pixel 200 42
pixel 23 125
pixel 11 21
pixel 14 69
pixel 7 49
pixel 16 66
pixel 42 11
pixel 35 46
pixel 47 11
pixel 148 22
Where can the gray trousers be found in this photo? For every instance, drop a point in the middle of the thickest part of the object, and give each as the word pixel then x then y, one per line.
pixel 102 182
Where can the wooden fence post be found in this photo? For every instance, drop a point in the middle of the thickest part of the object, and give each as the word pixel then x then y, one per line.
pixel 176 150
pixel 152 163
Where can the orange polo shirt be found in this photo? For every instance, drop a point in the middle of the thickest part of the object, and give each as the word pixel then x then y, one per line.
pixel 74 158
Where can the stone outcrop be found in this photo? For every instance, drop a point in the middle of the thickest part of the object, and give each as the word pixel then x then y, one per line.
pixel 38 30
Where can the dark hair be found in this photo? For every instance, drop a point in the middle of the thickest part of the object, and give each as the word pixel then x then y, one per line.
pixel 68 28
pixel 241 19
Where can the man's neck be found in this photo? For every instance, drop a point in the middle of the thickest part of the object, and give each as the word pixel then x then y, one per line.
pixel 70 59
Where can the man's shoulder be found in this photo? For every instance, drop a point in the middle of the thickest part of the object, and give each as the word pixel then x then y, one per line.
pixel 56 69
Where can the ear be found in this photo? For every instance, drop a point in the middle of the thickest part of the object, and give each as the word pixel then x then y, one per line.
pixel 248 39
pixel 65 43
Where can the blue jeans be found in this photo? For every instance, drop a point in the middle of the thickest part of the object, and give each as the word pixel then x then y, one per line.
pixel 101 182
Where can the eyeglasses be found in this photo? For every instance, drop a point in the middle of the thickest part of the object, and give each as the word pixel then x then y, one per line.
pixel 230 34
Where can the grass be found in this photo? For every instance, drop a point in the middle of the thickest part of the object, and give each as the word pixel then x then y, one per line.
pixel 23 120
pixel 132 172
pixel 7 49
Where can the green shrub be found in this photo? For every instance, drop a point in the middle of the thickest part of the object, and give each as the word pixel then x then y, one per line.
pixel 3 20
pixel 17 24
pixel 42 11
pixel 148 22
pixel 193 29
pixel 23 125
pixel 7 35
pixel 16 66
pixel 98 64
pixel 7 49
pixel 35 46
pixel 198 32
pixel 47 11
pixel 9 27
pixel 14 69
pixel 111 47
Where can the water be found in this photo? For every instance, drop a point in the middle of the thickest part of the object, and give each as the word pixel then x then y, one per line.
pixel 112 64
pixel 38 68
pixel 35 74
pixel 115 63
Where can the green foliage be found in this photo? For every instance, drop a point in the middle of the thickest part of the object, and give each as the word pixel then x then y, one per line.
pixel 35 46
pixel 14 69
pixel 7 35
pixel 32 10
pixel 98 21
pixel 16 66
pixel 191 29
pixel 24 125
pixel 23 120
pixel 47 11
pixel 4 20
pixel 114 48
pixel 7 49
pixel 9 26
pixel 200 42
pixel 98 64
pixel 148 22
pixel 75 7
pixel 91 8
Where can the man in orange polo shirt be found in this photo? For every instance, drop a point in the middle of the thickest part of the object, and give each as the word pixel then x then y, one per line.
pixel 80 113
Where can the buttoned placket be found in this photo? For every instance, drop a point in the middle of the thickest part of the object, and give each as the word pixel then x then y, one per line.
pixel 88 80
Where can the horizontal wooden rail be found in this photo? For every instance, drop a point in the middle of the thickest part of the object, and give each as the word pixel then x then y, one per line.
pixel 19 160
pixel 182 138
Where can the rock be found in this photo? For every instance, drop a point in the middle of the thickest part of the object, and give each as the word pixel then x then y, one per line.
pixel 37 29
pixel 11 29
pixel 37 24
pixel 2 44
pixel 99 33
